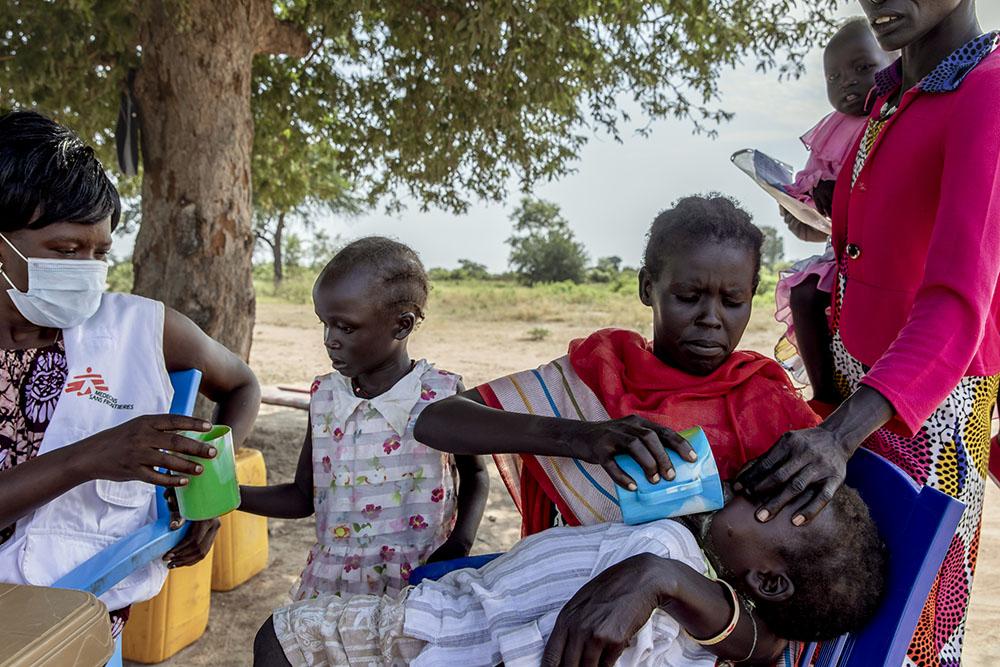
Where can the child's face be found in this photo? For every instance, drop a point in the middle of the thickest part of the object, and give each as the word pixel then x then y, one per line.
pixel 744 549
pixel 899 23
pixel 701 305
pixel 358 333
pixel 850 63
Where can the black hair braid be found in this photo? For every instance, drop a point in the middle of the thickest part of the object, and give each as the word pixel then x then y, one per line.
pixel 407 287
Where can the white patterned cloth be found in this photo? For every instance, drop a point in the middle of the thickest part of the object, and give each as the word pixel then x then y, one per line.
pixel 352 630
pixel 384 502
pixel 502 612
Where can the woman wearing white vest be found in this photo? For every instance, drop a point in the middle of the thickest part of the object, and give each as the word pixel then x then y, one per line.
pixel 84 386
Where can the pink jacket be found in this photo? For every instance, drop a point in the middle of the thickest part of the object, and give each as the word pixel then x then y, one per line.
pixel 918 237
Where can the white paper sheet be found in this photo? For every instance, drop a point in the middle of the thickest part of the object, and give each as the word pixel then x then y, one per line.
pixel 772 176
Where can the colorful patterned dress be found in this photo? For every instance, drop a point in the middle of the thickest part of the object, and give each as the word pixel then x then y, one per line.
pixel 30 384
pixel 950 452
pixel 384 502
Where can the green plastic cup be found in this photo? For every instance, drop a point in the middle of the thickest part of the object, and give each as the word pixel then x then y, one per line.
pixel 215 491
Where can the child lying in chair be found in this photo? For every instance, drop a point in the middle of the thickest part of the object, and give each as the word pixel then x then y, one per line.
pixel 810 583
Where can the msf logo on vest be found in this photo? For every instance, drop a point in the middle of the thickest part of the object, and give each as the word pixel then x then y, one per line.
pixel 92 386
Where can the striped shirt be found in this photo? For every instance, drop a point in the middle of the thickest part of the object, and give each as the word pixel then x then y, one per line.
pixel 505 611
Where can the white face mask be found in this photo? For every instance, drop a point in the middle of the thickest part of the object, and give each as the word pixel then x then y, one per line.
pixel 62 293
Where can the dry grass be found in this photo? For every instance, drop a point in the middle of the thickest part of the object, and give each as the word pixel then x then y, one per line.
pixel 479 329
pixel 602 304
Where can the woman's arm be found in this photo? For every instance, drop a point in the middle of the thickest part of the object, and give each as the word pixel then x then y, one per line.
pixel 800 229
pixel 954 304
pixel 462 424
pixel 226 380
pixel 807 467
pixel 285 501
pixel 946 326
pixel 131 451
pixel 33 483
pixel 596 625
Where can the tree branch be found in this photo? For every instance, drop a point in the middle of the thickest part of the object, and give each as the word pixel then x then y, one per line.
pixel 266 240
pixel 277 37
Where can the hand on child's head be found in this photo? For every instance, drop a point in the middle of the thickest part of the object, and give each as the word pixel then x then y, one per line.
pixel 850 62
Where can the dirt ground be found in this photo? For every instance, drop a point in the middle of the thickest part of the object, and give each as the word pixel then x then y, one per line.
pixel 287 350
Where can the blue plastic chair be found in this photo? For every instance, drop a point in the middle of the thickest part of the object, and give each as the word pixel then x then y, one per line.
pixel 917 524
pixel 100 573
pixel 434 571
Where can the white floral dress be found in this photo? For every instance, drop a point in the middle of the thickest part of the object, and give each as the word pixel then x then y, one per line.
pixel 384 502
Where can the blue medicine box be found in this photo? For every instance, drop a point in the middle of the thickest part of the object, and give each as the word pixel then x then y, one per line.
pixel 696 488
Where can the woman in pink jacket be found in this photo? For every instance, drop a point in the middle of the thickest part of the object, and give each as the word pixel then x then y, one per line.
pixel 916 313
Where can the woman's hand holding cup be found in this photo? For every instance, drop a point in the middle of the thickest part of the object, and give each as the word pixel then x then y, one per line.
pixel 134 450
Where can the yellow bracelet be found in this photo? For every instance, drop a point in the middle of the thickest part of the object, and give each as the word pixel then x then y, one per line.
pixel 728 630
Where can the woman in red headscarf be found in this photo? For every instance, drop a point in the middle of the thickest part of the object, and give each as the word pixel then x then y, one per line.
pixel 555 430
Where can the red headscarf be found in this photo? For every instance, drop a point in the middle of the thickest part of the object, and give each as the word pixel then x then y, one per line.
pixel 744 406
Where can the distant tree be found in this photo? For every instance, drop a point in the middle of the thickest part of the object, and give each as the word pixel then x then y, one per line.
pixel 543 248
pixel 294 251
pixel 269 231
pixel 120 276
pixel 612 263
pixel 773 250
pixel 469 270
pixel 606 270
pixel 438 273
pixel 131 209
pixel 322 247
pixel 295 174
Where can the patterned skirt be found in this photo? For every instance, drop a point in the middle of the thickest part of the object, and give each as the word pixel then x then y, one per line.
pixel 950 453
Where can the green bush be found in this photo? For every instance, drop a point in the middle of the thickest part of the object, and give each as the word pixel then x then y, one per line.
pixel 295 288
pixel 467 270
pixel 538 334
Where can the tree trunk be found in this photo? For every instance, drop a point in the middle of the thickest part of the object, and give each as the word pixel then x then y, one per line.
pixel 195 246
pixel 276 250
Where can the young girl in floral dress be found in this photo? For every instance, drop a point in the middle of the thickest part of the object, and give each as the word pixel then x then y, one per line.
pixel 384 503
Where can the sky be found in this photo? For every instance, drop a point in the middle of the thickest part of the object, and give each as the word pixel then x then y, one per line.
pixel 617 189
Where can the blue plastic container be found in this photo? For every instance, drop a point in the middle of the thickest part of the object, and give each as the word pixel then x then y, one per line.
pixel 697 487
